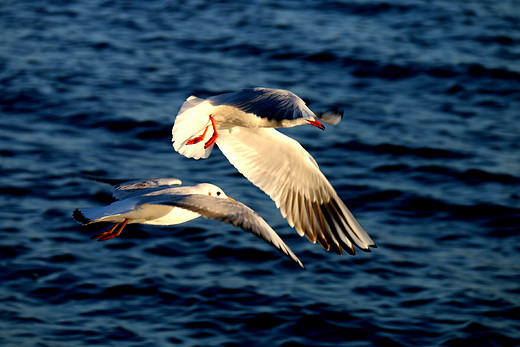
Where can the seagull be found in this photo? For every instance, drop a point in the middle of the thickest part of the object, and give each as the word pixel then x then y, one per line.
pixel 159 202
pixel 242 125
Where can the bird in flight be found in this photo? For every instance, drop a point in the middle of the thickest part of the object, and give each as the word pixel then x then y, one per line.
pixel 162 201
pixel 242 125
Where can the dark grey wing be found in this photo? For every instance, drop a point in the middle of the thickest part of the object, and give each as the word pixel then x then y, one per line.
pixel 140 187
pixel 272 104
pixel 225 210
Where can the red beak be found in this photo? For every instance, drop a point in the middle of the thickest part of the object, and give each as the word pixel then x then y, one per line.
pixel 316 124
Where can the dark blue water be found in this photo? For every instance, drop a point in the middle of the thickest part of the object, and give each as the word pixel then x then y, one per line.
pixel 427 158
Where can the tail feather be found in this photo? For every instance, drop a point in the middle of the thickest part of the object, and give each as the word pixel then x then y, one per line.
pixel 191 121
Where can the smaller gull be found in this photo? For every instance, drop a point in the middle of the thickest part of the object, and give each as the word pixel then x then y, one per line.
pixel 156 202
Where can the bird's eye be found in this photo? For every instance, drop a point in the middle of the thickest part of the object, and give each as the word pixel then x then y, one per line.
pixel 218 193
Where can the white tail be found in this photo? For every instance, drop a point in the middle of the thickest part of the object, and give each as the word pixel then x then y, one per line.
pixel 190 122
pixel 111 213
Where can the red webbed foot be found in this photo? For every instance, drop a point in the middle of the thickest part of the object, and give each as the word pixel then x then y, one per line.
pixel 110 233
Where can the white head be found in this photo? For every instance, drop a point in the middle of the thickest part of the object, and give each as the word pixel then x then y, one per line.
pixel 211 190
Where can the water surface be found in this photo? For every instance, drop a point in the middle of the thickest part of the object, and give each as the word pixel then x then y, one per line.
pixel 426 157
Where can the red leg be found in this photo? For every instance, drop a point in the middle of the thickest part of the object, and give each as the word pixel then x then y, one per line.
pixel 103 233
pixel 116 233
pixel 198 138
pixel 110 234
pixel 213 137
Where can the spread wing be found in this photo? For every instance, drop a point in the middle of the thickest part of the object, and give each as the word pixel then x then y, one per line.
pixel 286 172
pixel 225 210
pixel 273 104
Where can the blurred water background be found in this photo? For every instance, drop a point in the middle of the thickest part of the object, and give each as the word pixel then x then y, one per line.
pixel 426 157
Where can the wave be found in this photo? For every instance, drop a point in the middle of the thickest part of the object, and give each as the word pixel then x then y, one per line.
pixel 469 176
pixel 400 150
pixel 367 8
pixel 374 68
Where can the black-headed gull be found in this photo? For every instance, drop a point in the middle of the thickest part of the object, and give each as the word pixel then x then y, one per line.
pixel 156 202
pixel 241 124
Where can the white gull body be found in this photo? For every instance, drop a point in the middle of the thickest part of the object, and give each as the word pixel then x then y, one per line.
pixel 241 124
pixel 156 202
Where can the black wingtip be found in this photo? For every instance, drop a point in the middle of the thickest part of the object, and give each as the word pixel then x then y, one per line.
pixel 79 217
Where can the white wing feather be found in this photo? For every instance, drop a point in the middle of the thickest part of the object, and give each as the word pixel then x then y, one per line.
pixel 286 172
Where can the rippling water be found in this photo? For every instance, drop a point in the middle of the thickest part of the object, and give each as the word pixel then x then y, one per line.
pixel 427 158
